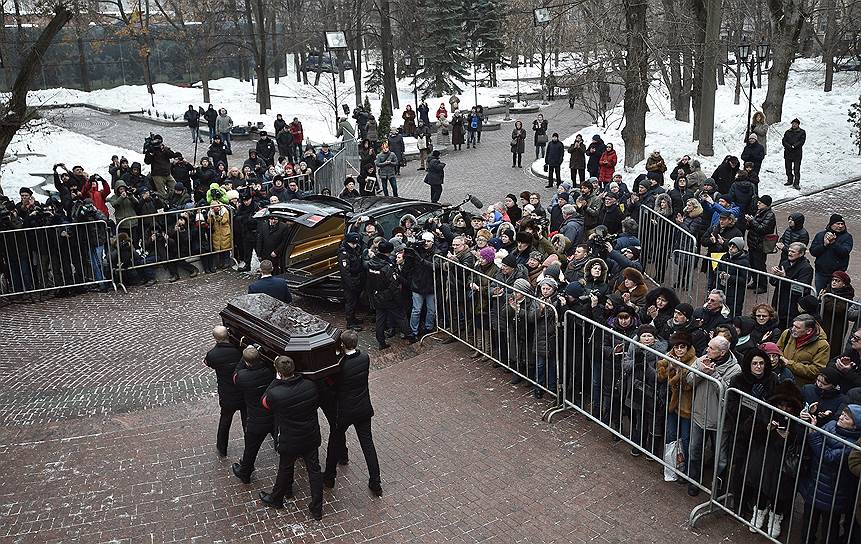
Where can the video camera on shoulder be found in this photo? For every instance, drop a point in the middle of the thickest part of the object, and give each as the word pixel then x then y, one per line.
pixel 152 142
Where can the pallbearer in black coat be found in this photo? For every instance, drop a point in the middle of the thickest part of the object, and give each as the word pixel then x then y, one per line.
pixel 354 408
pixel 253 375
pixel 223 358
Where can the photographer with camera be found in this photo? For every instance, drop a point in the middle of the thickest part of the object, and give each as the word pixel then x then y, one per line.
pixel 134 179
pixel 158 156
pixel 124 202
pixel 91 240
pixel 98 196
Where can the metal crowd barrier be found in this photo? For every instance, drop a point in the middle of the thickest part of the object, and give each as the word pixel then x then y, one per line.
pixel 512 328
pixel 305 182
pixel 331 174
pixel 172 236
pixel 775 456
pixel 659 236
pixel 351 156
pixel 52 257
pixel 640 394
pixel 840 318
pixel 692 286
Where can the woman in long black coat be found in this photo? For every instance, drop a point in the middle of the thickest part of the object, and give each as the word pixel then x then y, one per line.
pixel 518 144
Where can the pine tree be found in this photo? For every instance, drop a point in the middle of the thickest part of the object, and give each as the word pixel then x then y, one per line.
pixel 384 122
pixel 855 121
pixel 488 29
pixel 442 47
pixel 374 80
pixel 366 105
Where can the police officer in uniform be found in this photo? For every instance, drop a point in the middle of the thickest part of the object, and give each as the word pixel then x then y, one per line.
pixel 384 288
pixel 223 358
pixel 293 401
pixel 253 375
pixel 354 408
pixel 352 272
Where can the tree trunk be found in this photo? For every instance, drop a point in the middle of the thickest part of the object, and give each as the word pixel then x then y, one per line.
pixel 82 66
pixel 636 82
pixel 683 109
pixel 389 83
pixel 787 21
pixel 16 112
pixel 147 71
pixel 276 54
pixel 204 81
pixel 828 45
pixel 705 146
pixel 698 9
pixel 262 57
pixel 6 53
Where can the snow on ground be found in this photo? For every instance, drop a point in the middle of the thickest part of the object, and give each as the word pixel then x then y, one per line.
pixel 829 153
pixel 40 146
pixel 290 98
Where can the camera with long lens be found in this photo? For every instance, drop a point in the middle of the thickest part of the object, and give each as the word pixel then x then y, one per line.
pixel 598 243
pixel 151 143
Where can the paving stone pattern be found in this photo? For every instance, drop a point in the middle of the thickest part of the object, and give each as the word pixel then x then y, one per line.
pixel 464 455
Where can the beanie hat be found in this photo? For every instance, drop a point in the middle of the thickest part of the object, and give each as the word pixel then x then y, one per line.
pixel 547 280
pixel 522 285
pixel 563 196
pixel 231 194
pixel 686 309
pixel 766 199
pixel 553 271
pixel 835 218
pixel 744 324
pixel 536 256
pixel 385 247
pixel 353 237
pixel 842 276
pixel 427 236
pixel 770 348
pixel 181 187
pixel 680 337
pixel 488 254
pixel 510 260
pixel 574 289
pixel 832 375
pixel 25 191
pixel 648 328
pixel 523 237
pixel 738 242
pixel 810 304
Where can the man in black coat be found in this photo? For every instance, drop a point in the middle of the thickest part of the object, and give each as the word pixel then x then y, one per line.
pixel 218 152
pixel 245 226
pixel 270 239
pixel 435 176
pixel 352 276
pixel 277 288
pixel 384 289
pixel 354 408
pixel 293 401
pixel 785 298
pixel 760 225
pixel 211 115
pixel 253 375
pixel 158 156
pixel 192 117
pixel 266 148
pixel 553 158
pixel 793 142
pixel 223 358
pixel 594 151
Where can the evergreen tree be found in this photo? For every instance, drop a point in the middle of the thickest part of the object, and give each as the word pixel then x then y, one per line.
pixel 384 122
pixel 374 80
pixel 855 121
pixel 366 105
pixel 487 27
pixel 443 48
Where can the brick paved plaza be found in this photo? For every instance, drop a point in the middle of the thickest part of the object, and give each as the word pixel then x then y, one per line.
pixel 107 424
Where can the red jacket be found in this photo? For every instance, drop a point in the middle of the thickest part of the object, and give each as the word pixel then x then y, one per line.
pixel 98 197
pixel 297 132
pixel 607 166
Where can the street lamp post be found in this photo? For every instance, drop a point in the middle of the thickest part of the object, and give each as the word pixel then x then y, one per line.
pixel 335 41
pixel 476 45
pixel 414 69
pixel 751 57
pixel 517 65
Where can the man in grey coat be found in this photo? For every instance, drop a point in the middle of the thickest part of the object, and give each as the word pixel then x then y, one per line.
pixel 720 364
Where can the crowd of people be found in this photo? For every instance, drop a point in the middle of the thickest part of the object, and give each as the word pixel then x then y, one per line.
pixel 498 273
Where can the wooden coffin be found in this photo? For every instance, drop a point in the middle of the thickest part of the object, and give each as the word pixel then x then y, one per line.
pixel 282 329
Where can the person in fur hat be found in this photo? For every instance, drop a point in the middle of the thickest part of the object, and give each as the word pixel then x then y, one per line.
pixel 633 287
pixel 678 426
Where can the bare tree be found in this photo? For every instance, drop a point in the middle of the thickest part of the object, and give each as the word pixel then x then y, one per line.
pixel 133 24
pixel 636 76
pixel 787 18
pixel 14 113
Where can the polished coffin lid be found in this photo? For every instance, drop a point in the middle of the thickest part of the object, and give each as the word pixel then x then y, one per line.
pixel 282 329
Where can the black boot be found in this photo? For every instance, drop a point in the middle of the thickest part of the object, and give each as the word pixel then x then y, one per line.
pixel 796 186
pixel 788 183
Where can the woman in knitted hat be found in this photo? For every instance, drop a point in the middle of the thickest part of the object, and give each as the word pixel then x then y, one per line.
pixel 479 303
pixel 595 277
pixel 519 332
pixel 535 266
pixel 678 425
pixel 645 397
pixel 633 287
pixel 544 316
pixel 778 368
pixel 835 304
